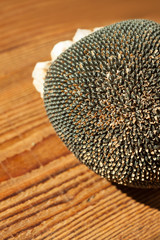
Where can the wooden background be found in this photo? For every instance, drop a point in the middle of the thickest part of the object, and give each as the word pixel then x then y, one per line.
pixel 45 192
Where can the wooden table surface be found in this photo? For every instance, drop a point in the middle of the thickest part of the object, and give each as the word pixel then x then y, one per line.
pixel 45 192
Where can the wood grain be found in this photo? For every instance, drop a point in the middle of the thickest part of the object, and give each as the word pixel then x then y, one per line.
pixel 45 192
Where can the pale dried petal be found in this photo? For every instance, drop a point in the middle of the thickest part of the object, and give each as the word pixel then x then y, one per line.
pixel 97 28
pixel 59 48
pixel 39 74
pixel 80 33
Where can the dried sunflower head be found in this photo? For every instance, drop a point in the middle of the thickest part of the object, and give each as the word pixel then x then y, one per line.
pixel 102 97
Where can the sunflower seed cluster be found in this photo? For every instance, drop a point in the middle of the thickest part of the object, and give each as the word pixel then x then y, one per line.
pixel 102 96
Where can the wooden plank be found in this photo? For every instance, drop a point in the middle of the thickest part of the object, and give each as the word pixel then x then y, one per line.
pixel 45 192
